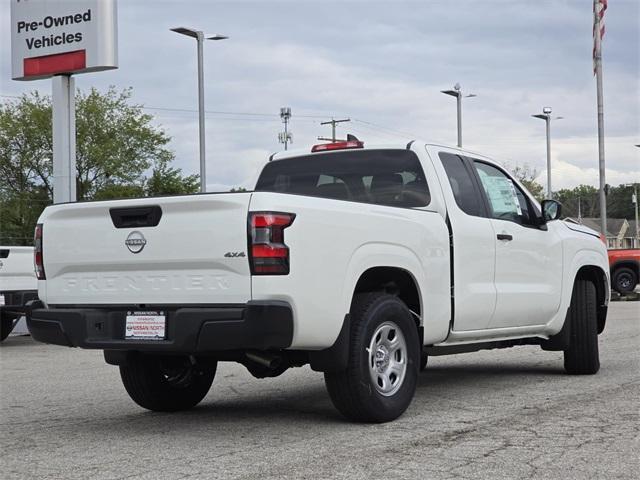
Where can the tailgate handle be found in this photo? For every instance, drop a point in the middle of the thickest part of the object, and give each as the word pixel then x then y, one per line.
pixel 4 253
pixel 136 217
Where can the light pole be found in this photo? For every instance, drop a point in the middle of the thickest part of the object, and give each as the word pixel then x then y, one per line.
pixel 546 116
pixel 457 92
pixel 200 38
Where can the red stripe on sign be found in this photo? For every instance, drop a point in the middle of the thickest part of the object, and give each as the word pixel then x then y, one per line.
pixel 51 64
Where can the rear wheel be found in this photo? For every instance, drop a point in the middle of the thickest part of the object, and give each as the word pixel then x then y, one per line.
pixel 624 280
pixel 582 356
pixel 384 358
pixel 166 384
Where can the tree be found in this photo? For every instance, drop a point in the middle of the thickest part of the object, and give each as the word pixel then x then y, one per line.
pixel 584 196
pixel 119 153
pixel 619 204
pixel 527 176
pixel 166 180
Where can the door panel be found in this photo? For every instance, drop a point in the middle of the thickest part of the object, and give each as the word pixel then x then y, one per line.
pixel 528 275
pixel 474 244
pixel 528 269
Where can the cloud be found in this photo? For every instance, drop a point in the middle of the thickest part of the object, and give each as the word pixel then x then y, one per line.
pixel 567 175
pixel 382 64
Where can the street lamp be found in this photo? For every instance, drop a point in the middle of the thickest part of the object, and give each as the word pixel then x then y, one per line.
pixel 200 38
pixel 457 92
pixel 546 116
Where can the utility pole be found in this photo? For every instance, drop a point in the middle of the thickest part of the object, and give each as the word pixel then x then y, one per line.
pixel 333 124
pixel 546 116
pixel 635 202
pixel 286 136
pixel 457 92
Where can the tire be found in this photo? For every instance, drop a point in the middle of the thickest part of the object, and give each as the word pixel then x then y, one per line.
pixel 582 356
pixel 624 280
pixel 6 326
pixel 384 345
pixel 166 384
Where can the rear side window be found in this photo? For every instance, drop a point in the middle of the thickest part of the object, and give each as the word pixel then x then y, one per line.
pixel 462 184
pixel 384 177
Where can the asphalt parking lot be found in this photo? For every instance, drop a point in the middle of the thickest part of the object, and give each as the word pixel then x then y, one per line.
pixel 493 414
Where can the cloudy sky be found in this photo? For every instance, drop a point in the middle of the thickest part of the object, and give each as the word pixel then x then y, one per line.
pixel 382 64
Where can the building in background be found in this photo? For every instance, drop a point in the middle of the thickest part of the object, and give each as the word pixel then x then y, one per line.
pixel 621 233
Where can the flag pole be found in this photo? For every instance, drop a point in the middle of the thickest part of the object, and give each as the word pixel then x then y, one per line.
pixel 598 66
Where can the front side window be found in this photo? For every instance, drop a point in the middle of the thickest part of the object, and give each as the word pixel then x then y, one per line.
pixel 506 200
pixel 384 177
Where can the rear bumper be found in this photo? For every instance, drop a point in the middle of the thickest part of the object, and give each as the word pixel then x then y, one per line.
pixel 255 326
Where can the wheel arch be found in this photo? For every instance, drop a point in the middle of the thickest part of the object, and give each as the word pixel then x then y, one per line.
pixel 396 281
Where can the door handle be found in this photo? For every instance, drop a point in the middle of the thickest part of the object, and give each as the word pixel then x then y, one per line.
pixel 505 236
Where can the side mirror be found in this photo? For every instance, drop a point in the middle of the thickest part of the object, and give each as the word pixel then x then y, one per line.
pixel 551 210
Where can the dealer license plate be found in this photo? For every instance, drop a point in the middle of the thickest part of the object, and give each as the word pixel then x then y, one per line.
pixel 145 326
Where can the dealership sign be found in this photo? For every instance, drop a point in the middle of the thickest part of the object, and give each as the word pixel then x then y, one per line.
pixel 50 37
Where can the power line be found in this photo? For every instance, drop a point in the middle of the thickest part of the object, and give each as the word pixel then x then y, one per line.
pixel 382 127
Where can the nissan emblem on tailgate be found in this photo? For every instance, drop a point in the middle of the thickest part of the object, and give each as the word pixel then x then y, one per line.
pixel 135 242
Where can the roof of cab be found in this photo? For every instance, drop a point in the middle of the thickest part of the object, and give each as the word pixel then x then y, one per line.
pixel 298 152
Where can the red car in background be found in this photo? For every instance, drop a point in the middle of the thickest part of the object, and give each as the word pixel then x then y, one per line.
pixel 624 266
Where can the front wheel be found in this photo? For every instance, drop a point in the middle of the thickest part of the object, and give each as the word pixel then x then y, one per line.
pixel 384 357
pixel 167 384
pixel 582 356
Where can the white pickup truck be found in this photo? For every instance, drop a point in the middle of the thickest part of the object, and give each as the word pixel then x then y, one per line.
pixel 18 286
pixel 359 261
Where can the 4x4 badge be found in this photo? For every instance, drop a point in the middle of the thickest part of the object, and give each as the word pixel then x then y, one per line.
pixel 234 254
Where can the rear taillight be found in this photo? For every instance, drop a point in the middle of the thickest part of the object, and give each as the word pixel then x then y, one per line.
pixel 268 254
pixel 38 261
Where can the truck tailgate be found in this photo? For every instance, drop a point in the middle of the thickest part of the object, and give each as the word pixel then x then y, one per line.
pixel 112 253
pixel 16 269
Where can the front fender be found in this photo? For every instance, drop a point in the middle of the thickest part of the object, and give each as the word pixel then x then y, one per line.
pixel 581 258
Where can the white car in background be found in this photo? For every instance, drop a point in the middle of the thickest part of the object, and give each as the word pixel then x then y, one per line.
pixel 18 285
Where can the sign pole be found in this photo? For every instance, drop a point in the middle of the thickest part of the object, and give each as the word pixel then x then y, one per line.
pixel 64 139
pixel 57 39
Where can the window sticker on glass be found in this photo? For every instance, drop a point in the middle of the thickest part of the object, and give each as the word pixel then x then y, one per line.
pixel 502 194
